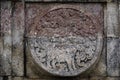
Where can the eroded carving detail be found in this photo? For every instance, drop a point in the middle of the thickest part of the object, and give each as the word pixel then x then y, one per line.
pixel 64 54
pixel 65 22
pixel 66 42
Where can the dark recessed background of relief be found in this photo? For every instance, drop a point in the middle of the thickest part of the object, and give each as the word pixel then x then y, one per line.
pixel 64 40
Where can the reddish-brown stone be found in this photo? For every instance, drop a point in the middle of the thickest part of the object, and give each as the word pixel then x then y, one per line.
pixel 63 20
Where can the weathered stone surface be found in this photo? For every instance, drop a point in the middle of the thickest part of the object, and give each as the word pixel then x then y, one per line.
pixel 59 43
pixel 119 15
pixel 55 56
pixel 31 69
pixel 58 79
pixel 113 78
pixel 112 20
pixel 8 78
pixel 5 78
pixel 38 13
pixel 100 68
pixel 67 0
pixel 113 56
pixel 18 38
pixel 71 0
pixel 111 30
pixel 17 78
pixel 5 41
pixel 97 78
pixel 1 78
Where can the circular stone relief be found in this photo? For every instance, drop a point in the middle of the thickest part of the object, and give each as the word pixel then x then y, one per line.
pixel 67 42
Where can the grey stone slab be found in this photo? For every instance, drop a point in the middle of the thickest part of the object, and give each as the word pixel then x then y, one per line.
pixel 5 41
pixel 112 24
pixel 18 37
pixel 113 57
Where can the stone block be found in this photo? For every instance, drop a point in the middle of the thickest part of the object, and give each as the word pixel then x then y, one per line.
pixel 112 24
pixel 5 39
pixel 113 56
pixel 36 20
pixel 18 40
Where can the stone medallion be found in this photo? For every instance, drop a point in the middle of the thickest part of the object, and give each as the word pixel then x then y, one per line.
pixel 66 42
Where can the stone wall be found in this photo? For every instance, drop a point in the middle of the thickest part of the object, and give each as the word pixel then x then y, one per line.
pixel 19 21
